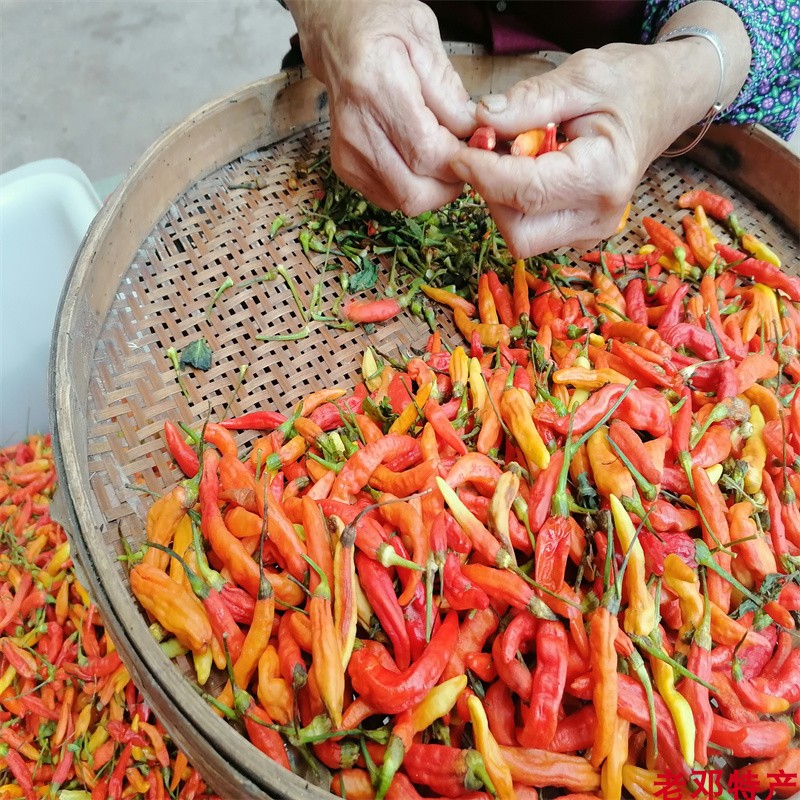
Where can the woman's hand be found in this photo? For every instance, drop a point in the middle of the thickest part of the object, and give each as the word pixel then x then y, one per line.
pixel 397 106
pixel 616 107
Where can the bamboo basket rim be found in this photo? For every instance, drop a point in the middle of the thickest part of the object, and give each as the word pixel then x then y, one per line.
pixel 286 103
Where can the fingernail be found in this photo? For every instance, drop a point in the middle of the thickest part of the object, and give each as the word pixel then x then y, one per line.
pixel 494 103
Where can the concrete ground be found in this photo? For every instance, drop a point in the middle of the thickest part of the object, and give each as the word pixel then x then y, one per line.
pixel 97 81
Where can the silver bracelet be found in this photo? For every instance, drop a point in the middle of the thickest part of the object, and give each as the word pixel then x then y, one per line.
pixel 710 36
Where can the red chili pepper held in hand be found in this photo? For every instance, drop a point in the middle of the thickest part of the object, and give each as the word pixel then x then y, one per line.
pixel 484 138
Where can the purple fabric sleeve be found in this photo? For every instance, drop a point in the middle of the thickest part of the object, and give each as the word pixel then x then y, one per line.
pixel 771 94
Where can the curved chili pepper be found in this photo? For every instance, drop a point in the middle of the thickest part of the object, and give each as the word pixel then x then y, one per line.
pixel 761 272
pixel 619 262
pixel 501 711
pixel 547 687
pixel 502 298
pixel 377 585
pixel 255 421
pixel 459 592
pixel 393 692
pixel 184 454
pixel 448 771
pixel 473 634
pixel 359 467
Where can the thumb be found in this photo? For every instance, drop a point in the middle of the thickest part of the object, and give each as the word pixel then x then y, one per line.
pixel 444 92
pixel 532 103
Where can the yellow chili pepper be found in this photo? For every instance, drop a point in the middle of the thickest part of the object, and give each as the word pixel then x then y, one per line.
pixel 364 612
pixel 516 408
pixel 505 492
pixel 759 249
pixel 59 558
pixel 7 679
pixel 83 721
pixel 679 708
pixel 202 665
pixel 438 702
pixel 610 474
pixel 596 340
pixel 754 452
pixel 408 416
pixel 477 385
pixel 623 220
pixel 766 400
pixel 487 310
pixel 449 299
pixel 589 379
pixel 370 371
pixel 640 617
pixel 490 334
pixel 487 746
pixel 459 370
pixel 163 518
pixel 644 783
pixel 611 774
pixel 180 543
pixel 702 220
pixel 763 312
pixel 579 395
pixel 714 473
pixel 100 736
pixel 175 608
pixel 682 581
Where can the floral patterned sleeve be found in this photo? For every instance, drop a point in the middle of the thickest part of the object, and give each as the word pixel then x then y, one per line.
pixel 771 94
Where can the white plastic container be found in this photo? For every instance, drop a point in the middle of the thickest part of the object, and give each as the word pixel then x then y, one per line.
pixel 45 209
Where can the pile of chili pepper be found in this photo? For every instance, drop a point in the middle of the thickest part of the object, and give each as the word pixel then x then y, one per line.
pixel 72 723
pixel 563 558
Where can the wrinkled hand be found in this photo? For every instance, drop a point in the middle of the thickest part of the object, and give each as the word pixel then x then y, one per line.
pixel 613 107
pixel 397 106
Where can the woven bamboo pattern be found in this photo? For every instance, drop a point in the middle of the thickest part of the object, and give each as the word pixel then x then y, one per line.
pixel 215 232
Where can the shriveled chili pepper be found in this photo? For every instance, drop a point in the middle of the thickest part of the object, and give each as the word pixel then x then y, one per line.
pixel 549 680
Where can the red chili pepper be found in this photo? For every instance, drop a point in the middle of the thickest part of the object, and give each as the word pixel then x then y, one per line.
pixel 502 299
pixel 377 585
pixel 547 688
pixel 184 454
pixel 394 691
pixel 761 272
pixel 665 239
pixel 619 262
pixel 434 414
pixel 255 421
pixel 473 634
pixel 720 208
pixel 484 138
pixel 459 592
pixel 365 311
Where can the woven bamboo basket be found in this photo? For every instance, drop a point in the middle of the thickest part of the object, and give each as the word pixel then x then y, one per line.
pixel 143 279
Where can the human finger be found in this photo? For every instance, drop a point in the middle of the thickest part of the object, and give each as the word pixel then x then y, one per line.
pixel 555 96
pixel 531 186
pixel 529 235
pixel 377 170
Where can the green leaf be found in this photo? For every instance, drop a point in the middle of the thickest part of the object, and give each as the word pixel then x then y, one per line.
pixel 197 355
pixel 365 277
